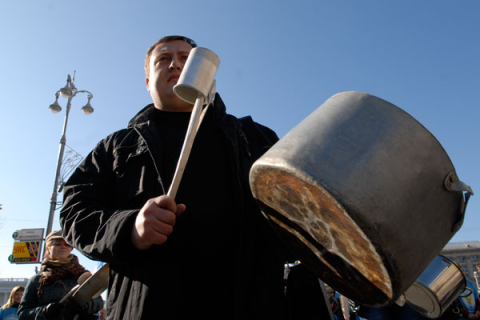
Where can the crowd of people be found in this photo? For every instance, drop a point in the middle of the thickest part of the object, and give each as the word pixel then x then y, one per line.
pixel 36 305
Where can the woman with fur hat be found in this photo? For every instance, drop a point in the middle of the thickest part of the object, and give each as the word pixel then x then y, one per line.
pixel 59 274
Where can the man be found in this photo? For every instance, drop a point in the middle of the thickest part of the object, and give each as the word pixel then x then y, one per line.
pixel 209 252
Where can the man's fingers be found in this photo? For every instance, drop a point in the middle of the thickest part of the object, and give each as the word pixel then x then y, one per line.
pixel 165 202
pixel 180 209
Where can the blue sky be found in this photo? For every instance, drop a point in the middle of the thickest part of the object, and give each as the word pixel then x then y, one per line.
pixel 280 60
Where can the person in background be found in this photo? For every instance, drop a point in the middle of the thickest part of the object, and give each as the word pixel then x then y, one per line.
pixel 9 309
pixel 470 301
pixel 102 314
pixel 476 276
pixel 59 274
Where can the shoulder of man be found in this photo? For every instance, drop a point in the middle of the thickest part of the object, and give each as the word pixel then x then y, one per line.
pixel 256 130
pixel 123 137
pixel 259 137
pixel 142 115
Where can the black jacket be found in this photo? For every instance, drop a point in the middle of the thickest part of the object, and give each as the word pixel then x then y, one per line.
pixel 33 307
pixel 105 193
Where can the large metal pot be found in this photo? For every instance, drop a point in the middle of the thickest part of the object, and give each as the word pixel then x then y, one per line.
pixel 436 288
pixel 363 194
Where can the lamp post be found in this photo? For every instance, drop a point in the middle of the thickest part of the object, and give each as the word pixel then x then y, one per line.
pixel 69 92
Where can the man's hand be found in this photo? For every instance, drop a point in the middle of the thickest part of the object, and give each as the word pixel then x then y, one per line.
pixel 155 222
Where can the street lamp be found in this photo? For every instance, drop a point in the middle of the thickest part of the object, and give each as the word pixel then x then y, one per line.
pixel 69 92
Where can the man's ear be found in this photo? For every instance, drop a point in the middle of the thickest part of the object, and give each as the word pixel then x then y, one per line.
pixel 146 83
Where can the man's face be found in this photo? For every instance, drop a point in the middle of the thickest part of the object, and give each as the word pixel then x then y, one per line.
pixel 166 64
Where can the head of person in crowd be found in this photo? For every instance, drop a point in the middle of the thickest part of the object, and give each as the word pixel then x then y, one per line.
pixel 164 63
pixel 58 260
pixel 56 247
pixel 14 298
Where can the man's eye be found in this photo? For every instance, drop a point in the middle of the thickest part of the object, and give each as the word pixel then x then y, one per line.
pixel 185 57
pixel 162 59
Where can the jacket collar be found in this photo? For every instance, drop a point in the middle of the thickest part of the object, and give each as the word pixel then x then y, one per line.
pixel 144 115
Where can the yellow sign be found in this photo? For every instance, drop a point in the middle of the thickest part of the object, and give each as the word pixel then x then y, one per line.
pixel 25 252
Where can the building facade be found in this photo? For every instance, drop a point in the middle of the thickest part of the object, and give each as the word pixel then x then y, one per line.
pixel 467 254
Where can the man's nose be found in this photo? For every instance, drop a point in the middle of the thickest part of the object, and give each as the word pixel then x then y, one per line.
pixel 175 64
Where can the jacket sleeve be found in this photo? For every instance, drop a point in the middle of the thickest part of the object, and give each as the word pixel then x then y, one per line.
pixel 91 220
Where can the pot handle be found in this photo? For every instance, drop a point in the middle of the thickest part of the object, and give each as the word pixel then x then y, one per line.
pixel 452 183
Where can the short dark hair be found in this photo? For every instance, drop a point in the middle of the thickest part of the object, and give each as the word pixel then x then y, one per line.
pixel 163 40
